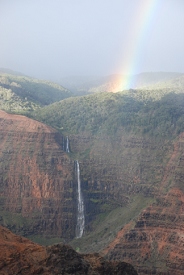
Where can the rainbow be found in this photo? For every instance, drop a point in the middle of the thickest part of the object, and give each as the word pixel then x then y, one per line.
pixel 136 41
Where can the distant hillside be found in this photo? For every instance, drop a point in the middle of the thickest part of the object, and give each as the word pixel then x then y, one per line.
pixel 8 71
pixel 114 83
pixel 22 93
pixel 153 78
pixel 175 84
pixel 79 84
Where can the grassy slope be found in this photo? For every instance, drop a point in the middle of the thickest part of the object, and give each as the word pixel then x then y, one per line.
pixel 108 224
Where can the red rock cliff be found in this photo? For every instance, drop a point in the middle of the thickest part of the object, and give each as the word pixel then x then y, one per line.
pixel 36 179
pixel 154 242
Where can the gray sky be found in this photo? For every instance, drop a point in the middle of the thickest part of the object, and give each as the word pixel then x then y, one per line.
pixel 56 38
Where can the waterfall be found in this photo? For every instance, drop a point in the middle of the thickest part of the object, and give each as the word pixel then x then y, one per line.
pixel 80 214
pixel 67 145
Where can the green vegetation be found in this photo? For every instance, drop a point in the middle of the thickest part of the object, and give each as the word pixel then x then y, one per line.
pixel 14 219
pixel 127 138
pixel 175 83
pixel 106 225
pixel 155 112
pixel 40 239
pixel 23 94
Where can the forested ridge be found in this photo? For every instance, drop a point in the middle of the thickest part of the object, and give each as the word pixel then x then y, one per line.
pixel 22 93
pixel 156 112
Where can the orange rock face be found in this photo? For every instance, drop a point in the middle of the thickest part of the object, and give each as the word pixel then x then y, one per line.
pixel 155 244
pixel 38 191
pixel 36 178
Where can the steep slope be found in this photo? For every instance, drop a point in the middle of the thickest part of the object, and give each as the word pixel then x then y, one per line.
pixel 155 241
pixel 22 93
pixel 37 181
pixel 20 256
pixel 130 147
pixel 156 112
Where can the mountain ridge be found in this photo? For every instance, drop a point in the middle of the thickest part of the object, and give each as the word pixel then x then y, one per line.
pixel 24 94
pixel 114 83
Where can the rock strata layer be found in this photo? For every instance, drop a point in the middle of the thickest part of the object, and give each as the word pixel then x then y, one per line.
pixel 37 188
pixel 154 242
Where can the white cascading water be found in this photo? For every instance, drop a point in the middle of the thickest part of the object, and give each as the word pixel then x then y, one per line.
pixel 67 145
pixel 80 214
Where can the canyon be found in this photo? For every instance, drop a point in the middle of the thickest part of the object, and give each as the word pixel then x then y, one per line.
pixel 103 173
pixel 39 192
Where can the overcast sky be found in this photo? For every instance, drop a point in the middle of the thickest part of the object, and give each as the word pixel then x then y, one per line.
pixel 55 38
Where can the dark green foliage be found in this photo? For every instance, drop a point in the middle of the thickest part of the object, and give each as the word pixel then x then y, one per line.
pixel 157 112
pixel 163 117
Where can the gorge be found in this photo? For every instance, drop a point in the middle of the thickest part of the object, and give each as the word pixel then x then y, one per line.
pixel 125 199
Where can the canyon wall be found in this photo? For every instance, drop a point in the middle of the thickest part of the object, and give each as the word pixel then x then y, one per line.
pixel 113 170
pixel 38 190
pixel 154 242
pixel 37 181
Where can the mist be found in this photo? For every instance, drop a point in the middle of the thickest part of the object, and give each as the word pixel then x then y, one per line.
pixel 54 39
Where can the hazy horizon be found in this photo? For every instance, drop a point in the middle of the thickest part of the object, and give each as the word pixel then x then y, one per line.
pixel 55 39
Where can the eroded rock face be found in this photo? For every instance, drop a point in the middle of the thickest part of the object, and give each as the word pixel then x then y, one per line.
pixel 116 169
pixel 154 243
pixel 20 256
pixel 37 179
pixel 37 188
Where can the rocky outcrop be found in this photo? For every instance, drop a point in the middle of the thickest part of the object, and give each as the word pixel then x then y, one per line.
pixel 37 187
pixel 20 256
